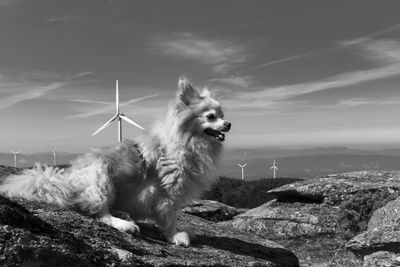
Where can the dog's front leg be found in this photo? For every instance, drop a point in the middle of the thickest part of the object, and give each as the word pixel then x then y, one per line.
pixel 166 220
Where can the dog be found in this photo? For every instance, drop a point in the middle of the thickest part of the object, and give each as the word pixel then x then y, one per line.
pixel 151 178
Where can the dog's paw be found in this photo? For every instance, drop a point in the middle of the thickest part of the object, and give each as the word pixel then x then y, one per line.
pixel 127 226
pixel 122 225
pixel 180 239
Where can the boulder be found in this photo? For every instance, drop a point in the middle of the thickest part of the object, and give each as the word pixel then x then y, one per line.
pixel 387 215
pixel 212 210
pixel 33 234
pixel 383 238
pixel 276 220
pixel 382 259
pixel 334 189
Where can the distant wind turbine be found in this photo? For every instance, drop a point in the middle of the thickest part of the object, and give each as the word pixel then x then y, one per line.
pixel 242 167
pixel 118 115
pixel 15 157
pixel 274 168
pixel 54 157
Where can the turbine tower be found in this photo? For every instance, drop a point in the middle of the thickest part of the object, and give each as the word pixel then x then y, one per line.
pixel 242 167
pixel 15 157
pixel 274 168
pixel 118 115
pixel 54 157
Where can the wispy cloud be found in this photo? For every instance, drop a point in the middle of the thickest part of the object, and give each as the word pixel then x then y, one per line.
pixel 314 53
pixel 235 81
pixel 82 74
pixel 220 55
pixel 385 54
pixel 70 18
pixel 355 102
pixel 277 61
pixel 17 86
pixel 28 94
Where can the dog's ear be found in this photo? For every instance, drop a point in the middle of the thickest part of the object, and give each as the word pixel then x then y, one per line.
pixel 187 94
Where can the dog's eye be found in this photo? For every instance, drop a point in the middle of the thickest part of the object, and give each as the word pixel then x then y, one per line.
pixel 211 117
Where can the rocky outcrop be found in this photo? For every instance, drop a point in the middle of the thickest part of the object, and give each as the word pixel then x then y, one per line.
pixel 212 210
pixel 277 220
pixel 324 212
pixel 334 189
pixel 382 259
pixel 384 238
pixel 383 235
pixel 387 215
pixel 33 234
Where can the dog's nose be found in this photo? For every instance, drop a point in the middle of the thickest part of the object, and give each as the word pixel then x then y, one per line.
pixel 227 126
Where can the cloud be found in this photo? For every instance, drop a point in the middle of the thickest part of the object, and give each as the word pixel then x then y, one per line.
pixel 60 18
pixel 277 61
pixel 235 81
pixel 84 73
pixel 68 18
pixel 355 102
pixel 385 54
pixel 221 55
pixel 17 86
pixel 342 45
pixel 28 94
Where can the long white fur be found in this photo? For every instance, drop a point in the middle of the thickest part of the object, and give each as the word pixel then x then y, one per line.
pixel 151 178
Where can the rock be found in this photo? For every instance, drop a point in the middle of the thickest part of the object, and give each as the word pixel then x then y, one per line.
pixel 383 238
pixel 387 215
pixel 7 170
pixel 212 210
pixel 277 220
pixel 382 259
pixel 334 189
pixel 33 234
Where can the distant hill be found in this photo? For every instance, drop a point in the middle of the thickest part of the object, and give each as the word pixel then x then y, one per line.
pixel 306 163
pixel 28 160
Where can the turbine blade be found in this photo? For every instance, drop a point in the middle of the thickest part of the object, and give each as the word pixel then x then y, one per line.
pixel 125 118
pixel 116 97
pixel 105 124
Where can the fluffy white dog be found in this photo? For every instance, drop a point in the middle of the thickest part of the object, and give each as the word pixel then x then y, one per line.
pixel 151 178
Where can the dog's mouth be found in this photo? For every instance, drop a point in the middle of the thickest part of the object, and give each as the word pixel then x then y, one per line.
pixel 215 133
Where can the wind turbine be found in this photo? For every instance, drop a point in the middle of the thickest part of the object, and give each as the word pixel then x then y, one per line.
pixel 274 168
pixel 118 115
pixel 15 157
pixel 242 166
pixel 54 157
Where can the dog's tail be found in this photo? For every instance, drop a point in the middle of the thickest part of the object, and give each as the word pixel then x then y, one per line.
pixel 42 183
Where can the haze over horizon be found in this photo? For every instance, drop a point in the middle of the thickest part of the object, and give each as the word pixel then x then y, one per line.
pixel 290 74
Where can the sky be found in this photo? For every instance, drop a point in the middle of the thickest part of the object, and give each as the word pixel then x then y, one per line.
pixel 288 73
